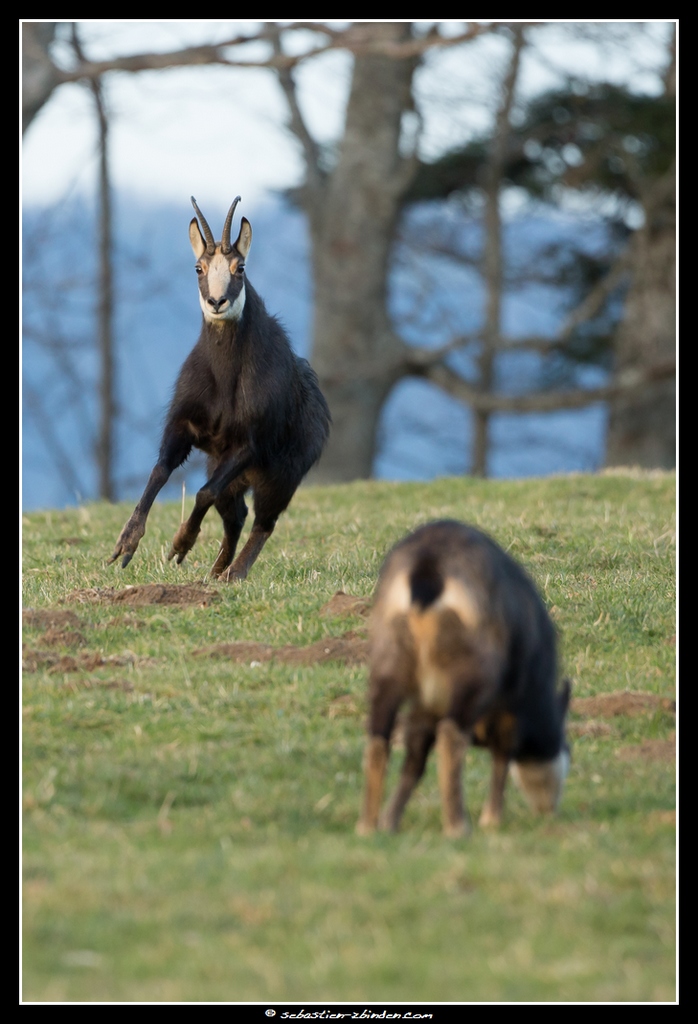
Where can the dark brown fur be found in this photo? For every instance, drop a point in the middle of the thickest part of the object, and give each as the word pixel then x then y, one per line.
pixel 460 632
pixel 245 399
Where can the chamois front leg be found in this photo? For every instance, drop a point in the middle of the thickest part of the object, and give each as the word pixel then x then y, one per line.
pixel 133 531
pixel 174 450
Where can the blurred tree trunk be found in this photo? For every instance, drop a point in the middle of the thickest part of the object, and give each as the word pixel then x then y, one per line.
pixel 353 217
pixel 40 76
pixel 492 257
pixel 105 312
pixel 105 296
pixel 642 425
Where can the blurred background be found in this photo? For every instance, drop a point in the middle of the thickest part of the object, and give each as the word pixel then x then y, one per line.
pixel 467 227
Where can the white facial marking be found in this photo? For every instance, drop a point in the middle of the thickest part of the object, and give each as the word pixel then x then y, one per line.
pixel 218 276
pixel 238 306
pixel 541 781
pixel 218 281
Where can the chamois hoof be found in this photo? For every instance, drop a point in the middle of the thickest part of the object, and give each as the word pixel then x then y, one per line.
pixel 182 543
pixel 127 543
pixel 458 830
pixel 218 570
pixel 233 575
pixel 489 819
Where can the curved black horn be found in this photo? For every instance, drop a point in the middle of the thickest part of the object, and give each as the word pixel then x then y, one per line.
pixel 225 240
pixel 208 234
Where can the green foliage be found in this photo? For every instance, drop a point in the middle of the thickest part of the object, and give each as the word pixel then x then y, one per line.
pixel 601 136
pixel 601 140
pixel 189 822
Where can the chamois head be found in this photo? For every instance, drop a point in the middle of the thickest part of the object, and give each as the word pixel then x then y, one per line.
pixel 220 266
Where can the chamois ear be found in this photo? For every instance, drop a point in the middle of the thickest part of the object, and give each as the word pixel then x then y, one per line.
pixel 196 238
pixel 244 238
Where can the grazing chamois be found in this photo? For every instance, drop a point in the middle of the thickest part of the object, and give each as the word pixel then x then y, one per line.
pixel 459 630
pixel 245 399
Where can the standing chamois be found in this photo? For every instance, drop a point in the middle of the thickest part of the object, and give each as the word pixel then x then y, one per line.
pixel 245 399
pixel 459 630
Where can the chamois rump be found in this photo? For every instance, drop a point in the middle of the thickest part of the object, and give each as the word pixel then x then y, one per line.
pixel 244 398
pixel 459 630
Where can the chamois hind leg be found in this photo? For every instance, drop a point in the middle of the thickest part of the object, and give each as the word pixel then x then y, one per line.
pixel 222 479
pixel 384 701
pixel 271 498
pixel 258 537
pixel 232 509
pixel 451 744
pixel 419 739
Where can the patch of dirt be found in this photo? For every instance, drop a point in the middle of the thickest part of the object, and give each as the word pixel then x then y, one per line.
pixel 124 620
pixel 662 818
pixel 345 706
pixel 102 684
pixel 592 728
pixel 33 660
pixel 351 649
pixel 46 618
pixel 343 605
pixel 622 702
pixel 150 593
pixel 650 750
pixel 63 638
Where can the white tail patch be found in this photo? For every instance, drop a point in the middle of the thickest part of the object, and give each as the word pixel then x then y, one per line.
pixel 434 679
pixel 541 782
pixel 459 599
pixel 398 600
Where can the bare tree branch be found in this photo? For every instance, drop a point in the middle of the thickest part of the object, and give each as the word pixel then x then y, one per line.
pixel 417 358
pixel 358 38
pixel 297 123
pixel 47 431
pixel 543 401
pixel 41 75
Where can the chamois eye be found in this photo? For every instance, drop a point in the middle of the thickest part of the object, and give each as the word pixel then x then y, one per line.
pixel 199 269
pixel 240 269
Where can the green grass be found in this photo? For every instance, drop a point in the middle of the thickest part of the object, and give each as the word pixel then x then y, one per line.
pixel 189 823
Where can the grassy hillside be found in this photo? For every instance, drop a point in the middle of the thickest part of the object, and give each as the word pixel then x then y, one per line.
pixel 189 807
